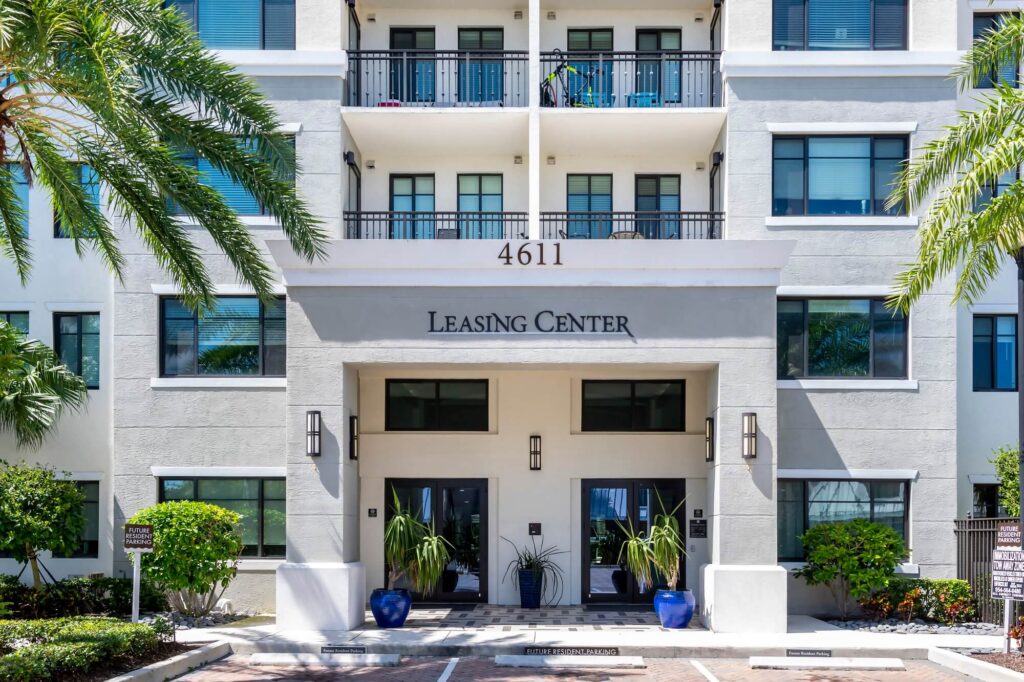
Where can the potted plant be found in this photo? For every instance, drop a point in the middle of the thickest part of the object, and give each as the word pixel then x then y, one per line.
pixel 661 551
pixel 535 571
pixel 412 550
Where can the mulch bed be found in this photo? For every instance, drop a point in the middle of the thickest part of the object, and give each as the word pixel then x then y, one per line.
pixel 1011 661
pixel 165 651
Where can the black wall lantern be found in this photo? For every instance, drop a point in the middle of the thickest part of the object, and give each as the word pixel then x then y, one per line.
pixel 313 433
pixel 353 437
pixel 534 453
pixel 709 439
pixel 749 435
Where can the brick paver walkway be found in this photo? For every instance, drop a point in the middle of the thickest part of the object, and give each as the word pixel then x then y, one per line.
pixel 482 669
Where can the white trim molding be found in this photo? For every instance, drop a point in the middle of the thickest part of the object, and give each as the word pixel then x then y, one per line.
pixel 72 307
pixel 850 474
pixel 322 63
pixel 841 63
pixel 218 289
pixel 846 384
pixel 293 128
pixel 219 382
pixel 902 569
pixel 842 221
pixel 840 128
pixel 218 472
pixel 259 565
pixel 841 291
pixel 994 308
pixel 983 479
pixel 96 476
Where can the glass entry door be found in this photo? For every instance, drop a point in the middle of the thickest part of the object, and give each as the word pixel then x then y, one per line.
pixel 457 509
pixel 606 505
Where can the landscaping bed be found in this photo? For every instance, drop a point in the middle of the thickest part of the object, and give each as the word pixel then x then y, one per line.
pixel 1011 661
pixel 917 626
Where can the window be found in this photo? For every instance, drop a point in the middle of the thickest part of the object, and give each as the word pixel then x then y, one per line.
pixel 241 24
pixel 240 336
pixel 90 547
pixel 587 195
pixel 436 405
pixel 986 502
pixel 480 193
pixel 412 194
pixel 1008 73
pixel 481 79
pixel 633 405
pixel 594 77
pixel 259 501
pixel 77 344
pixel 17 178
pixel 994 190
pixel 89 179
pixel 805 504
pixel 233 193
pixel 995 352
pixel 835 175
pixel 18 320
pixel 413 75
pixel 843 337
pixel 840 24
pixel 658 79
pixel 657 194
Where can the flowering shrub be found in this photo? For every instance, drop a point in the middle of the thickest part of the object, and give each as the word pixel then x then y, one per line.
pixel 947 601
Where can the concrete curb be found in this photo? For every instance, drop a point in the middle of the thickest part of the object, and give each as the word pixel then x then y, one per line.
pixel 829 663
pixel 326 660
pixel 569 662
pixel 176 665
pixel 972 667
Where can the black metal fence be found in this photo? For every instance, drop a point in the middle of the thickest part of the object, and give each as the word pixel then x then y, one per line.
pixel 631 225
pixel 429 78
pixel 975 540
pixel 435 225
pixel 630 79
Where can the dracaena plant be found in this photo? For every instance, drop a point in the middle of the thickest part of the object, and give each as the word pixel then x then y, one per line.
pixel 412 549
pixel 126 87
pixel 656 552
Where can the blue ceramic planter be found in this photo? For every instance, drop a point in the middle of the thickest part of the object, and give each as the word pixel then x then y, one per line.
pixel 531 587
pixel 390 607
pixel 674 609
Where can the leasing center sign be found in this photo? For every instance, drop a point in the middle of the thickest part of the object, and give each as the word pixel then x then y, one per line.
pixel 551 322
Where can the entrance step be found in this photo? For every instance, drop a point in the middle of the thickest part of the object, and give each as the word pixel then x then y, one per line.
pixel 326 660
pixel 570 661
pixel 837 663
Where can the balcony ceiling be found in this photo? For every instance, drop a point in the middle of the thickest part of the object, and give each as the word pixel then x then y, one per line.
pixel 443 132
pixel 370 5
pixel 627 5
pixel 686 133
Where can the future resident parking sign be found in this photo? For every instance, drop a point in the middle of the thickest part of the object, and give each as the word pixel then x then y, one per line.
pixel 1008 564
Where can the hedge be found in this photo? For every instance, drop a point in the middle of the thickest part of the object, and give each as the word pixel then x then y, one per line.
pixel 947 601
pixel 66 647
pixel 77 597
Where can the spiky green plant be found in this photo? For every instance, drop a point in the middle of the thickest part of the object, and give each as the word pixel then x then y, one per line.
pixel 35 388
pixel 540 561
pixel 659 551
pixel 412 549
pixel 125 86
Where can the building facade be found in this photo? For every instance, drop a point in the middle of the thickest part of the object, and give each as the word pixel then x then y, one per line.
pixel 585 260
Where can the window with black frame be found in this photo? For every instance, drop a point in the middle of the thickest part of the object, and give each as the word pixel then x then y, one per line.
pixel 241 24
pixel 1007 73
pixel 839 24
pixel 623 405
pixel 436 405
pixel 994 347
pixel 17 319
pixel 840 338
pixel 77 344
pixel 90 546
pixel 259 501
pixel 239 336
pixel 803 504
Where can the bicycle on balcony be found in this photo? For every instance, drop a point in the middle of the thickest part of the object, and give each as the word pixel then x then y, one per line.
pixel 572 86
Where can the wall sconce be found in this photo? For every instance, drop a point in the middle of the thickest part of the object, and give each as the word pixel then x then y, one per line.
pixel 313 433
pixel 517 15
pixel 552 16
pixel 353 437
pixel 700 166
pixel 709 439
pixel 371 164
pixel 534 453
pixel 551 161
pixel 749 435
pixel 517 160
pixel 371 18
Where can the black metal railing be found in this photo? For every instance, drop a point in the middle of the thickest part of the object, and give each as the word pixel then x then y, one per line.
pixel 975 540
pixel 630 79
pixel 435 225
pixel 430 78
pixel 631 225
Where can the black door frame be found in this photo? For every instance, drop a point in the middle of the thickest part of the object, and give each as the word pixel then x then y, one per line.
pixel 632 594
pixel 436 484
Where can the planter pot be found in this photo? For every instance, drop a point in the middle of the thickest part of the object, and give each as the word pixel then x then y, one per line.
pixel 674 608
pixel 390 607
pixel 531 587
pixel 449 580
pixel 619 580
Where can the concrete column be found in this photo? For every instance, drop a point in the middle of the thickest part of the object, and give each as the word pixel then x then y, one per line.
pixel 534 132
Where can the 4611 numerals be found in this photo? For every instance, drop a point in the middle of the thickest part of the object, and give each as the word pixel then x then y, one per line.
pixel 531 253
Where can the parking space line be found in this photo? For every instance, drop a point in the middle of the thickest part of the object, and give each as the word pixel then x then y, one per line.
pixel 701 669
pixel 448 670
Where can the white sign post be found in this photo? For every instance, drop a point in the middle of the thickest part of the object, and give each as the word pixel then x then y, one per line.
pixel 1008 573
pixel 138 539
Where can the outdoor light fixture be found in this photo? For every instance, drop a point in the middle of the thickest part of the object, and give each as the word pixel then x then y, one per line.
pixel 709 439
pixel 353 437
pixel 313 433
pixel 749 435
pixel 552 16
pixel 517 15
pixel 534 453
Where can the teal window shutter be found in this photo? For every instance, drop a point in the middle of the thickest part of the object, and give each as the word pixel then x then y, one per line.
pixel 279 24
pixel 20 191
pixel 236 196
pixel 231 24
pixel 90 181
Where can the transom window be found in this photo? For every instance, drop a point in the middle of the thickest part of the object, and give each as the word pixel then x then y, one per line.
pixel 241 24
pixel 18 320
pixel 844 337
pixel 240 336
pixel 995 352
pixel 614 405
pixel 436 405
pixel 841 175
pixel 840 24
pixel 77 344
pixel 803 504
pixel 259 501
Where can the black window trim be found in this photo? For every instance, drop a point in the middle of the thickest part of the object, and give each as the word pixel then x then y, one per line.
pixel 56 337
pixel 632 404
pixel 437 396
pixel 871 32
pixel 480 194
pixel 5 315
pixel 871 341
pixel 590 31
pixel 805 518
pixel 195 341
pixel 89 554
pixel 263 24
pixel 195 498
pixel 992 76
pixel 992 348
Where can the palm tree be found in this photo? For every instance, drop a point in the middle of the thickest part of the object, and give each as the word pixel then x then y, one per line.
pixel 967 232
pixel 35 388
pixel 126 87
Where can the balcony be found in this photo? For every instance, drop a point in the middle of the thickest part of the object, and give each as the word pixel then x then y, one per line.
pixel 632 225
pixel 435 225
pixel 431 78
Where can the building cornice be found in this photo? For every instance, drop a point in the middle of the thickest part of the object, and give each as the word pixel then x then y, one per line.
pixel 820 64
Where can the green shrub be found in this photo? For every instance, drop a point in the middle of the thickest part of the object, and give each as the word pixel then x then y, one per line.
pixel 78 597
pixel 1007 463
pixel 946 601
pixel 852 558
pixel 195 552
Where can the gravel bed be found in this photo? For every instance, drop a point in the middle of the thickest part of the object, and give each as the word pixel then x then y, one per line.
pixel 918 627
pixel 183 622
pixel 1011 661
